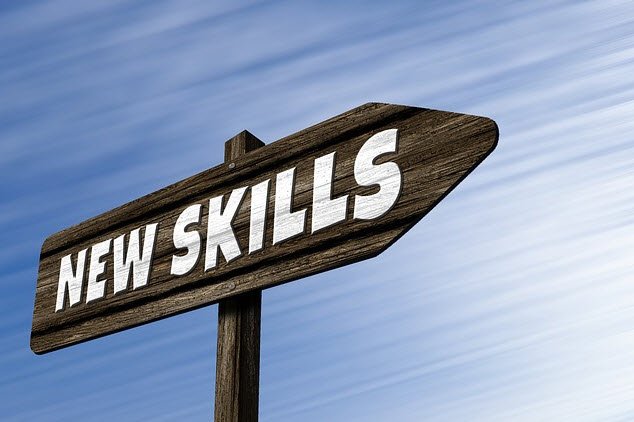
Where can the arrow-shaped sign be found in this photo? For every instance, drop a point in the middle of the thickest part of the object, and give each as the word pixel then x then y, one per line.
pixel 330 195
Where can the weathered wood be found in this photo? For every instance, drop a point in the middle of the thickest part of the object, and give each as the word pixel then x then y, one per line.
pixel 238 358
pixel 243 143
pixel 436 150
pixel 238 352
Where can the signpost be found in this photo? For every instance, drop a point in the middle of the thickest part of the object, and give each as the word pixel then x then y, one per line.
pixel 335 193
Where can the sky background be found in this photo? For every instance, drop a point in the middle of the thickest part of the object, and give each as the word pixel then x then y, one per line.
pixel 512 300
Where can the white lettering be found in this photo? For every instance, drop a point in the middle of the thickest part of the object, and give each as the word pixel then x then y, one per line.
pixel 97 288
pixel 133 259
pixel 71 280
pixel 259 201
pixel 182 264
pixel 286 224
pixel 326 211
pixel 386 175
pixel 219 231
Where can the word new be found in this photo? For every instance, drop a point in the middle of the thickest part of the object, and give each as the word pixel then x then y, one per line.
pixel 134 257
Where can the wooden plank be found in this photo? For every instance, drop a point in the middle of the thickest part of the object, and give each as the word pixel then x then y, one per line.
pixel 238 351
pixel 436 150
pixel 238 358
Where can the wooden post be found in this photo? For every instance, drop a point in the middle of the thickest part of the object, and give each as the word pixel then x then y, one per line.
pixel 238 355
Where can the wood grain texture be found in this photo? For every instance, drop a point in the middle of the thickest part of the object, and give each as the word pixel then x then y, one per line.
pixel 238 352
pixel 436 150
pixel 238 358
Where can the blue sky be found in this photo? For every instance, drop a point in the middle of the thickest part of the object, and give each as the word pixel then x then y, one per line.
pixel 512 300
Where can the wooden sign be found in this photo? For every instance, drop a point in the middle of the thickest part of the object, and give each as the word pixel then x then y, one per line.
pixel 330 195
